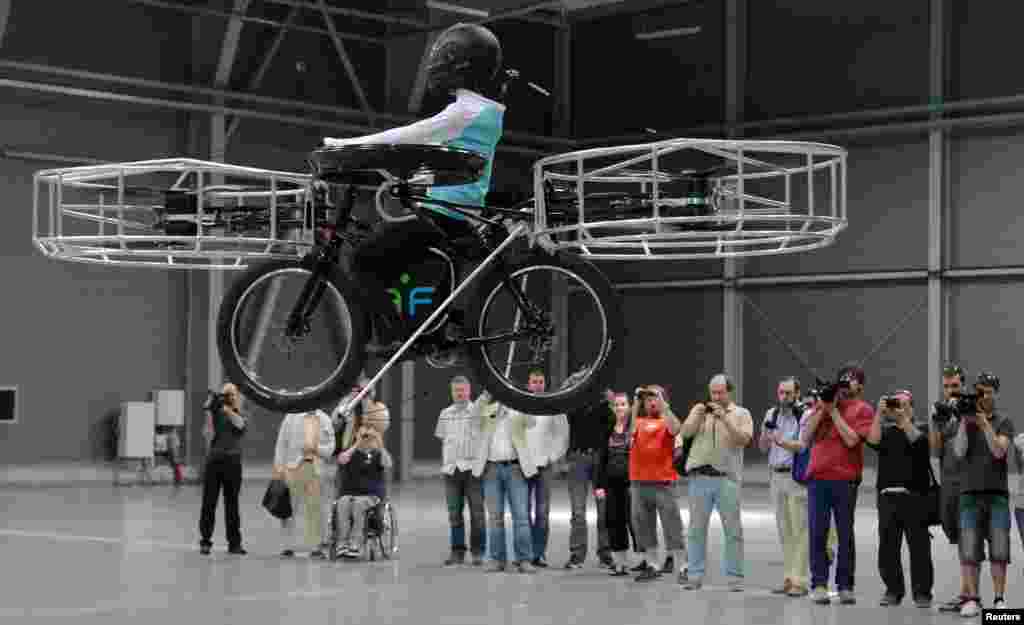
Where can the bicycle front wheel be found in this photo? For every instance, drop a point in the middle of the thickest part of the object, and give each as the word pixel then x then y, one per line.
pixel 518 328
pixel 284 363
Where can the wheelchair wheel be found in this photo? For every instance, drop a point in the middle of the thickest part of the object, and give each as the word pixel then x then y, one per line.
pixel 285 366
pixel 387 539
pixel 512 315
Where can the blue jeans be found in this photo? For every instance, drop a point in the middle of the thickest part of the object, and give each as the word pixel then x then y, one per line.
pixel 826 498
pixel 539 504
pixel 501 481
pixel 707 494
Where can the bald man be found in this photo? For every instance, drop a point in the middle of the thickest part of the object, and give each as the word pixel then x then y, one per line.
pixel 223 470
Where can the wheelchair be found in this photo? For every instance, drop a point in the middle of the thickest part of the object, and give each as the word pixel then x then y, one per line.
pixel 380 532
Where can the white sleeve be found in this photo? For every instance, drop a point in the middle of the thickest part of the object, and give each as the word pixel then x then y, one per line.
pixel 326 436
pixel 442 421
pixel 279 448
pixel 438 129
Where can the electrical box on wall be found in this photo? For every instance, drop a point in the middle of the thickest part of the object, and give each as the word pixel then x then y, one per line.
pixel 170 407
pixel 136 427
pixel 8 404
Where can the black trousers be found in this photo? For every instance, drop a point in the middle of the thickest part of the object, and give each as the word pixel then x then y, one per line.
pixel 855 488
pixel 899 515
pixel 618 516
pixel 221 471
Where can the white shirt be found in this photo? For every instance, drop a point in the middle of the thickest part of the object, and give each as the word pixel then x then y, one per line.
pixel 502 449
pixel 291 438
pixel 458 427
pixel 549 439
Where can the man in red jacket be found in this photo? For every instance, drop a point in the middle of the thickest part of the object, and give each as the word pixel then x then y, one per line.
pixel 836 431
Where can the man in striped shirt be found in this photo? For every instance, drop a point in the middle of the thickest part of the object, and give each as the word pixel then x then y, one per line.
pixel 458 427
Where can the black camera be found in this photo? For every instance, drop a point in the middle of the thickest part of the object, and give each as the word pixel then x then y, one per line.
pixel 827 391
pixel 215 401
pixel 892 402
pixel 963 405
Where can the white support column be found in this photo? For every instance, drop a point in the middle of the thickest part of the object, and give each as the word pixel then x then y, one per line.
pixel 218 152
pixel 407 414
pixel 732 302
pixel 938 338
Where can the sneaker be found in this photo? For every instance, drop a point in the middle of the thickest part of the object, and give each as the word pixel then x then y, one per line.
pixel 288 553
pixel 540 563
pixel 890 599
pixel 574 563
pixel 639 568
pixel 204 549
pixel 648 575
pixel 798 591
pixel 607 561
pixel 923 601
pixel 317 554
pixel 736 584
pixel 820 596
pixel 669 567
pixel 237 551
pixel 478 559
pixel 970 609
pixel 524 567
pixel 693 584
pixel 846 597
pixel 456 557
pixel 684 576
pixel 619 571
pixel 999 604
pixel 496 566
pixel 783 589
pixel 953 605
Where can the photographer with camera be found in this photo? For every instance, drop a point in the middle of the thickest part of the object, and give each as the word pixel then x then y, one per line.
pixel 953 380
pixel 981 440
pixel 780 438
pixel 904 480
pixel 223 470
pixel 836 432
pixel 721 430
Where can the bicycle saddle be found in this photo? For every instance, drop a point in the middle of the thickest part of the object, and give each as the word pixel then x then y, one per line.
pixel 428 165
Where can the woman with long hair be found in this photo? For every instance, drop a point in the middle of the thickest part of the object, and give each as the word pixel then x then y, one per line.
pixel 611 483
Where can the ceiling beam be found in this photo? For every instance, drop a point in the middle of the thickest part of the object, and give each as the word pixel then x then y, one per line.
pixel 229 49
pixel 347 62
pixel 268 58
pixel 346 12
pixel 522 13
pixel 250 19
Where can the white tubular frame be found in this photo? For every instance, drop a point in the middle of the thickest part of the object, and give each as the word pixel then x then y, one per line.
pixel 125 234
pixel 752 225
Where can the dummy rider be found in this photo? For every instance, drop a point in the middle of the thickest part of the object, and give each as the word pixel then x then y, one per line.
pixel 466 63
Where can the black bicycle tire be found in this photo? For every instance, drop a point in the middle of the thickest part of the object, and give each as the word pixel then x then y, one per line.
pixel 333 390
pixel 612 350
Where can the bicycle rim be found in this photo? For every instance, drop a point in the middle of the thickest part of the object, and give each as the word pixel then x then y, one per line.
pixel 510 362
pixel 290 366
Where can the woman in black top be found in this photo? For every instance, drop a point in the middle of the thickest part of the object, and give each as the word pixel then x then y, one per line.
pixel 223 470
pixel 611 483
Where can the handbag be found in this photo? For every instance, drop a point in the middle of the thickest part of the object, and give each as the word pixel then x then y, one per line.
pixel 277 500
pixel 680 454
pixel 933 514
pixel 801 460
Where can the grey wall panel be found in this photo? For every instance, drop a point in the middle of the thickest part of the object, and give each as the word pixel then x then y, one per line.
pixel 622 85
pixel 629 272
pixel 806 57
pixel 985 225
pixel 830 327
pixel 101 35
pixel 887 204
pixel 981 36
pixel 86 337
pixel 673 338
pixel 986 335
pixel 432 395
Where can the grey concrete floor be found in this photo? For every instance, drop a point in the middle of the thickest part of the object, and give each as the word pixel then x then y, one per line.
pixel 100 554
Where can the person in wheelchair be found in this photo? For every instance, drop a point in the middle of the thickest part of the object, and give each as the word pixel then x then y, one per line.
pixel 363 468
pixel 465 62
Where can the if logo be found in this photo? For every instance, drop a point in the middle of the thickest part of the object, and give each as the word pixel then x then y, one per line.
pixel 416 296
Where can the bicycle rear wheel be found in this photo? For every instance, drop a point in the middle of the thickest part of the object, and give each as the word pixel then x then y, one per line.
pixel 285 366
pixel 515 340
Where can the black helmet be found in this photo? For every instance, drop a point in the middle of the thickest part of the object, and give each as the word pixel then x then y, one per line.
pixel 466 56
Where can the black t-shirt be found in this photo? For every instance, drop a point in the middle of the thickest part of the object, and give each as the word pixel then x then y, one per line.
pixel 902 464
pixel 589 426
pixel 980 471
pixel 227 439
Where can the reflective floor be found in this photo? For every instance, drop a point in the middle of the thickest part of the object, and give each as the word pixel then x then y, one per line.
pixel 107 555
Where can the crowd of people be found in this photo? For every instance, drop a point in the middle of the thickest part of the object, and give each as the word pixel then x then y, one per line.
pixel 630 453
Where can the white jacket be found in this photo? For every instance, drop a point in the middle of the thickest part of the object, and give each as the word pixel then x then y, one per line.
pixel 519 425
pixel 548 439
pixel 291 437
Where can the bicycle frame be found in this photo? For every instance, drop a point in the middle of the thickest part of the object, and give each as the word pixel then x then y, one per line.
pixel 329 254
